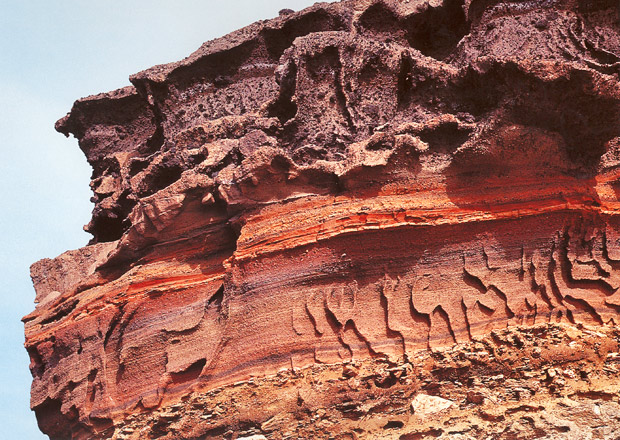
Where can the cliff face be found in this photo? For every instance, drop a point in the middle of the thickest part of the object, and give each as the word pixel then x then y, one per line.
pixel 423 192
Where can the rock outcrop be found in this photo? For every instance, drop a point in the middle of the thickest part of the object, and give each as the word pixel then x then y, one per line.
pixel 426 192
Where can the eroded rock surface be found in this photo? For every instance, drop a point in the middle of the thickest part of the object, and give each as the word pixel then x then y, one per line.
pixel 366 183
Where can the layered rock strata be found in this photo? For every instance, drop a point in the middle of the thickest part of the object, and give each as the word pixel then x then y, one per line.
pixel 357 182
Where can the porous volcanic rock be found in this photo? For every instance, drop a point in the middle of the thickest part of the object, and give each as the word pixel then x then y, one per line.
pixel 311 223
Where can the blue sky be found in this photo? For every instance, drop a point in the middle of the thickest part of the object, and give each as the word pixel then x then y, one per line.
pixel 52 53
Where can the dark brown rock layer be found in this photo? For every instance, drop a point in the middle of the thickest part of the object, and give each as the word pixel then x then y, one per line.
pixel 357 182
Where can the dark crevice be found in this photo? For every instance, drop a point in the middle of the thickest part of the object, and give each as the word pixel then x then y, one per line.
pixel 486 310
pixel 137 165
pixel 599 285
pixel 106 227
pixel 393 334
pixel 381 143
pixel 437 31
pixel 474 281
pixel 534 287
pixel 467 324
pixel 218 67
pixel 335 326
pixel 418 317
pixel 602 56
pixel 156 141
pixel 216 300
pixel 504 298
pixel 350 325
pixel 380 22
pixel 112 326
pixel 599 269
pixel 104 425
pixel 582 304
pixel 163 174
pixel 393 424
pixel 279 39
pixel 317 332
pixel 333 54
pixel 190 374
pixel 106 165
pixel 150 92
pixel 485 257
pixel 405 81
pixel 111 223
pixel 443 315
pixel 477 8
pixel 481 93
pixel 284 108
pixel 61 311
pixel 119 373
pixel 51 420
pixel 586 126
pixel 551 276
pixel 37 366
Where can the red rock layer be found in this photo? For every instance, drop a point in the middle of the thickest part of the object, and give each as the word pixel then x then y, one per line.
pixel 365 179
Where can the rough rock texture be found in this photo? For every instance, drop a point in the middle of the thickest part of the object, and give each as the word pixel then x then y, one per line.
pixel 316 226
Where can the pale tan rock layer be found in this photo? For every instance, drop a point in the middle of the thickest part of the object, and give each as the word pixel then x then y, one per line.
pixel 358 181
